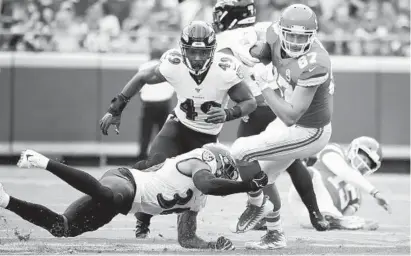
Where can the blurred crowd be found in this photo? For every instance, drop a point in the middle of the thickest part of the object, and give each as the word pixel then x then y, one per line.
pixel 347 27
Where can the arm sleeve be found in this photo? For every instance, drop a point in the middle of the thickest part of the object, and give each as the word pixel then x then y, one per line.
pixel 339 167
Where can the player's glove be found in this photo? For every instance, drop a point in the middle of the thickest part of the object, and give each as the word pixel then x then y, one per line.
pixel 113 115
pixel 381 201
pixel 259 181
pixel 216 115
pixel 265 76
pixel 224 244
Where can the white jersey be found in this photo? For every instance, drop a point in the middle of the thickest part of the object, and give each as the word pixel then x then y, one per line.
pixel 195 99
pixel 243 37
pixel 163 189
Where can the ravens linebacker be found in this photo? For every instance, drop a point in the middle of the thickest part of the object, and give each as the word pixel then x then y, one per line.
pixel 204 81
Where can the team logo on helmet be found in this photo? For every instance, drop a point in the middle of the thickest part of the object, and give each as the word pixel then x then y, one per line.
pixel 207 156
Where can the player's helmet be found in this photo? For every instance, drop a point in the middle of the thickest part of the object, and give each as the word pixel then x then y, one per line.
pixel 298 26
pixel 198 44
pixel 225 163
pixel 365 155
pixel 232 14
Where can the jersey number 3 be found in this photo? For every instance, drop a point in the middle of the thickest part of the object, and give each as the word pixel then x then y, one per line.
pixel 177 200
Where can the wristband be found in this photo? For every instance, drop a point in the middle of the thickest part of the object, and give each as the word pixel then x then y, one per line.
pixel 118 104
pixel 233 113
pixel 374 192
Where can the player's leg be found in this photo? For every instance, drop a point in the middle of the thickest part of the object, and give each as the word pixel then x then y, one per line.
pixel 282 145
pixel 87 214
pixel 36 214
pixel 78 179
pixel 256 123
pixel 193 139
pixel 302 181
pixel 146 129
pixel 83 215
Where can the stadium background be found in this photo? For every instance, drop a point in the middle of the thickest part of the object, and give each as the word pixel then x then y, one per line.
pixel 63 61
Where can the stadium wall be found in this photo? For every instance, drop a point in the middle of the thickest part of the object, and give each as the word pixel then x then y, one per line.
pixel 53 102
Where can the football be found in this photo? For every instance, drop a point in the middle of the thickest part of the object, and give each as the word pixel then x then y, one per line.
pixel 262 51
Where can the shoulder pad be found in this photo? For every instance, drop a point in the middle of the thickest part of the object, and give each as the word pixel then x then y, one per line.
pixel 272 34
pixel 260 29
pixel 172 56
pixel 232 70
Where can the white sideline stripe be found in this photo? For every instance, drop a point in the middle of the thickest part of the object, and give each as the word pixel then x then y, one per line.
pixel 91 148
pixel 132 61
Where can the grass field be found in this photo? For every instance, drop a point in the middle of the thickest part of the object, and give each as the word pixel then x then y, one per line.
pixel 393 236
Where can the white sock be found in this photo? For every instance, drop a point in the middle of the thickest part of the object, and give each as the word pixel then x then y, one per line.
pixel 256 200
pixel 5 201
pixel 277 225
pixel 43 162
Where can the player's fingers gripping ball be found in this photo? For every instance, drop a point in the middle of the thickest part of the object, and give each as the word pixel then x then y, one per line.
pixel 216 115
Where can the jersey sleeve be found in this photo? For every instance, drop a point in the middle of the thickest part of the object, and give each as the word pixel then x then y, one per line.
pixel 271 35
pixel 313 76
pixel 169 62
pixel 231 70
pixel 260 29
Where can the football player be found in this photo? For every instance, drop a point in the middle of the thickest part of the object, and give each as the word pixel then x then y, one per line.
pixel 301 69
pixel 236 19
pixel 178 185
pixel 339 178
pixel 203 81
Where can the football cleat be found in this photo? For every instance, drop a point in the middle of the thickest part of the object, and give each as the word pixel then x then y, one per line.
pixel 319 222
pixel 345 222
pixel 261 225
pixel 142 229
pixel 31 159
pixel 253 214
pixel 274 239
pixel 371 225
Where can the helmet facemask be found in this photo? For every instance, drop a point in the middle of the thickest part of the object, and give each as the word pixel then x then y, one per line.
pixel 296 41
pixel 363 159
pixel 226 169
pixel 197 57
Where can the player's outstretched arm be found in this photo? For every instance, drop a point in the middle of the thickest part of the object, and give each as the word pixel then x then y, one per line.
pixel 208 184
pixel 187 237
pixel 339 167
pixel 149 75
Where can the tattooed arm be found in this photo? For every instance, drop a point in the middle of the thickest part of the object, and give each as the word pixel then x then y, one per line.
pixel 187 237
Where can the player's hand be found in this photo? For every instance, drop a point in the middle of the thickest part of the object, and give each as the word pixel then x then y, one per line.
pixel 259 181
pixel 224 244
pixel 382 202
pixel 264 77
pixel 108 120
pixel 216 115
